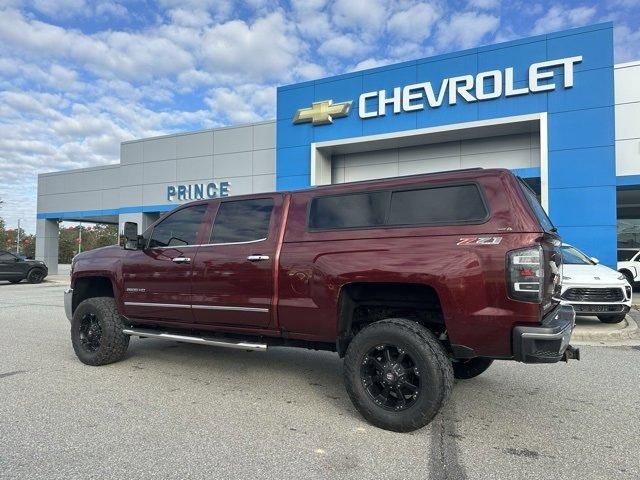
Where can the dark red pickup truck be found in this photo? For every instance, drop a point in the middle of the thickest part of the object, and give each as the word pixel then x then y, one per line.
pixel 414 280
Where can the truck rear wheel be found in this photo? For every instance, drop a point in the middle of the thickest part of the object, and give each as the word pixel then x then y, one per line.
pixel 96 332
pixel 397 374
pixel 466 369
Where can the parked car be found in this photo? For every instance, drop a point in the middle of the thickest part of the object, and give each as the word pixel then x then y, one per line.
pixel 413 280
pixel 629 264
pixel 15 268
pixel 593 289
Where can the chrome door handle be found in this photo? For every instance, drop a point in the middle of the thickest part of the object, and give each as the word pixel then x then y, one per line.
pixel 257 258
pixel 181 260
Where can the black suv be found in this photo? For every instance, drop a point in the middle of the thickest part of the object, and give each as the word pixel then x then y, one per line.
pixel 15 268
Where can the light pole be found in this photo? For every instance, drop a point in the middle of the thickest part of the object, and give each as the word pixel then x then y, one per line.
pixel 80 239
pixel 18 239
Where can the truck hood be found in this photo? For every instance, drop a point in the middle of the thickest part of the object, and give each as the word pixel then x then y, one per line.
pixel 590 275
pixel 109 251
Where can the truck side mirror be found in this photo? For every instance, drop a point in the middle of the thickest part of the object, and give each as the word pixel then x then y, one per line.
pixel 131 236
pixel 595 260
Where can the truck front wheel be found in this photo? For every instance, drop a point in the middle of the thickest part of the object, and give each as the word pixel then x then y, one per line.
pixel 96 332
pixel 397 374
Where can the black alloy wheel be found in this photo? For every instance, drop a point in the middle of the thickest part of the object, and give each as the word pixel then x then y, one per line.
pixel 397 374
pixel 35 276
pixel 390 377
pixel 90 332
pixel 97 331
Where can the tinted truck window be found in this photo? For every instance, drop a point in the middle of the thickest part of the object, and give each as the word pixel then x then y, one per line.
pixel 242 221
pixel 358 210
pixel 178 229
pixel 420 206
pixel 454 204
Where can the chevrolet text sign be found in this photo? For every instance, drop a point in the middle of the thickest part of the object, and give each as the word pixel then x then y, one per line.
pixel 484 86
pixel 418 96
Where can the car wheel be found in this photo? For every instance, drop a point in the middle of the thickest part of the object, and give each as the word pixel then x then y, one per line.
pixel 35 275
pixel 612 318
pixel 96 332
pixel 629 277
pixel 397 374
pixel 466 369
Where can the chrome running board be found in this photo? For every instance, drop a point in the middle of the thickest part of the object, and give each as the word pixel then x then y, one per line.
pixel 139 332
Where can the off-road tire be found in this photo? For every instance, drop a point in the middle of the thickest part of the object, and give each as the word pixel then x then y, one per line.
pixel 113 343
pixel 436 373
pixel 466 369
pixel 35 275
pixel 612 318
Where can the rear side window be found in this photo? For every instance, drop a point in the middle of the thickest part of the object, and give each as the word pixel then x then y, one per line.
pixel 541 215
pixel 178 229
pixel 454 204
pixel 358 210
pixel 242 221
pixel 420 206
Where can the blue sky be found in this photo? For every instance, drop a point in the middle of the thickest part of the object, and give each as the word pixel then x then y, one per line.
pixel 77 77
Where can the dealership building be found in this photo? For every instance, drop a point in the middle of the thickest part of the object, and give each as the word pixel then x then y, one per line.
pixel 553 108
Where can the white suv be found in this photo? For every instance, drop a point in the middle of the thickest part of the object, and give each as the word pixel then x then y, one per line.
pixel 629 263
pixel 593 289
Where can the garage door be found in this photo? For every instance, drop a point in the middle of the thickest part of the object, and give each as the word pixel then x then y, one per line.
pixel 508 151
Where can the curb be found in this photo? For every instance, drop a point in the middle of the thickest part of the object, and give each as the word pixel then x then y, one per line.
pixel 629 333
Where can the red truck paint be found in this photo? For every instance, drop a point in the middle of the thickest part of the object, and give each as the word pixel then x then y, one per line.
pixel 296 295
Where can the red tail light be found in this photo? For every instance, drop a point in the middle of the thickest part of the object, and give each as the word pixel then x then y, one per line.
pixel 525 274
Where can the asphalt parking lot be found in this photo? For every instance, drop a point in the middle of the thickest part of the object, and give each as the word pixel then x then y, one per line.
pixel 174 410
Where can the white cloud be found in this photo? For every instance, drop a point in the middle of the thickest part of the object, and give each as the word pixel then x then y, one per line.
pixel 344 46
pixel 264 50
pixel 414 23
pixel 465 30
pixel 558 18
pixel 60 8
pixel 365 15
pixel 626 43
pixel 484 4
pixel 121 54
pixel 248 103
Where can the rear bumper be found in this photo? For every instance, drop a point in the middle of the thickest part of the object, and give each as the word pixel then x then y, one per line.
pixel 545 343
pixel 68 305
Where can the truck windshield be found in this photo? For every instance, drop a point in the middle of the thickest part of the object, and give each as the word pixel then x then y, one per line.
pixel 544 220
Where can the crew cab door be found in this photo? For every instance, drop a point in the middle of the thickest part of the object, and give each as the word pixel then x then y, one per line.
pixel 157 279
pixel 233 272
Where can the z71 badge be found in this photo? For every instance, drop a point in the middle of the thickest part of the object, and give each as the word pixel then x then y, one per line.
pixel 480 241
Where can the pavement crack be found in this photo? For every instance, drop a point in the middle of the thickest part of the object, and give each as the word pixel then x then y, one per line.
pixel 9 374
pixel 444 458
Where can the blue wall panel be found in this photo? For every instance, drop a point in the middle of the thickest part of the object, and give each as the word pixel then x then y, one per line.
pixel 581 123
pixel 593 127
pixel 582 167
pixel 516 56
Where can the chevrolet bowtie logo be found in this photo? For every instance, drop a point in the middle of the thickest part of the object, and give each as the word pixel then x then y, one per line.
pixel 322 113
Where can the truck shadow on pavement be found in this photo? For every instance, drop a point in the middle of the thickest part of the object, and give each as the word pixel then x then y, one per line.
pixel 315 373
